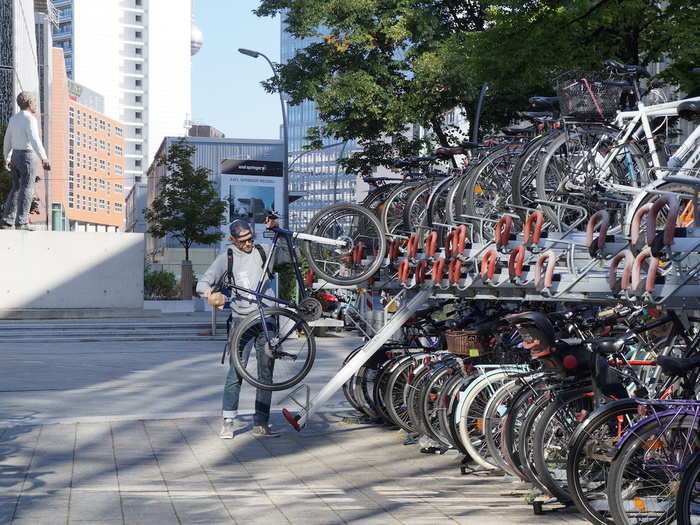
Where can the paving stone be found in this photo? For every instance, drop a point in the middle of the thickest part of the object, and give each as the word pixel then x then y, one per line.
pixel 147 509
pixel 202 510
pixel 88 505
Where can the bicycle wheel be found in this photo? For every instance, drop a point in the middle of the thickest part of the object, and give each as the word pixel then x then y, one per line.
pixel 394 206
pixel 572 173
pixel 493 422
pixel 395 393
pixel 365 245
pixel 433 403
pixel 437 203
pixel 282 357
pixel 645 475
pixel 591 453
pixel 416 209
pixel 551 441
pixel 471 424
pixel 375 199
pixel 487 192
pixel 688 499
pixel 526 442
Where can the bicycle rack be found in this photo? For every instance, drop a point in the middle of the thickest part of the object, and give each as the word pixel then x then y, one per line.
pixel 344 374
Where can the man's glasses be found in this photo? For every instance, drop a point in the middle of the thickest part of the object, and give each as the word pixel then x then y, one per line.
pixel 245 241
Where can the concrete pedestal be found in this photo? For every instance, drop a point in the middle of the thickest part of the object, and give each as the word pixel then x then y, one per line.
pixel 70 271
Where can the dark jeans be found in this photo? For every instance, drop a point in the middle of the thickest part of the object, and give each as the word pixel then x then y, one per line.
pixel 232 387
pixel 19 200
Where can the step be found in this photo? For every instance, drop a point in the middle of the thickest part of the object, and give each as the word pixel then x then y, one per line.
pixel 98 338
pixel 9 327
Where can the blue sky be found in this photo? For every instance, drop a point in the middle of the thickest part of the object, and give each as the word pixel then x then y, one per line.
pixel 226 90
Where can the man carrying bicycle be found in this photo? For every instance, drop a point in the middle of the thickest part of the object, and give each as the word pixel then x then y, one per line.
pixel 248 261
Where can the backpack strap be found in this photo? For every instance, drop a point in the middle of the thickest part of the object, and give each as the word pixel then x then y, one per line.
pixel 263 256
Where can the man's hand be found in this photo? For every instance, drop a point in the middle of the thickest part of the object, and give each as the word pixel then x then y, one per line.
pixel 46 165
pixel 216 299
pixel 271 222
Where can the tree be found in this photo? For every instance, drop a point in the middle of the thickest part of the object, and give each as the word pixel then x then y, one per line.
pixel 376 66
pixel 187 207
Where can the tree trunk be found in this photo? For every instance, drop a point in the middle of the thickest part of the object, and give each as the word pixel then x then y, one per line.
pixel 186 280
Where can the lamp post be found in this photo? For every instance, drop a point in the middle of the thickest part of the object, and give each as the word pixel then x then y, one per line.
pixel 285 133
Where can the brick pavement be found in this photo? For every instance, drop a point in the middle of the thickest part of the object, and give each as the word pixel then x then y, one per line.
pixel 179 472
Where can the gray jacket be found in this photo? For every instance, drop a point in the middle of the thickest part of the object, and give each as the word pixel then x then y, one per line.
pixel 247 272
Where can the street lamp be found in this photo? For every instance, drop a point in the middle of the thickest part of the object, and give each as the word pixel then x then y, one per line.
pixel 285 133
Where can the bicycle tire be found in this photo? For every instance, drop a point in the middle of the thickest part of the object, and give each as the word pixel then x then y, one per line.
pixel 251 330
pixel 394 206
pixel 526 442
pixel 647 440
pixel 395 396
pixel 367 230
pixel 433 404
pixel 472 417
pixel 493 422
pixel 591 452
pixel 551 438
pixel 686 503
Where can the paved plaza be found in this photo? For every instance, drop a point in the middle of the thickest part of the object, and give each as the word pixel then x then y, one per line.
pixel 110 433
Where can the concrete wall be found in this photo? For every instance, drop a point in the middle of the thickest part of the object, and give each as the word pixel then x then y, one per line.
pixel 70 270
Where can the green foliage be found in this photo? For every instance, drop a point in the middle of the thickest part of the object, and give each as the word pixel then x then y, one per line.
pixel 378 66
pixel 188 207
pixel 159 285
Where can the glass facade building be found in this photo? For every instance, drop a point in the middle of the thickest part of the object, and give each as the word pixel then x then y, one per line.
pixel 313 174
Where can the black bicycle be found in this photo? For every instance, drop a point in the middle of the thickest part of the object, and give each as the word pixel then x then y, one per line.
pixel 344 245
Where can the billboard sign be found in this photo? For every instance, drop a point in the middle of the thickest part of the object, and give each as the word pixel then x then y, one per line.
pixel 251 188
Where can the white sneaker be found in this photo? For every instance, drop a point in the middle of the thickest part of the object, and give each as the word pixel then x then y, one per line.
pixel 226 428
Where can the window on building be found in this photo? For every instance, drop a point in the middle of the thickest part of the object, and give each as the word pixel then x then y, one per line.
pixel 137 131
pixel 137 3
pixel 138 115
pixel 137 82
pixel 118 131
pixel 137 163
pixel 138 35
pixel 137 147
pixel 118 207
pixel 138 50
pixel 117 150
pixel 138 18
pixel 118 188
pixel 137 66
pixel 138 99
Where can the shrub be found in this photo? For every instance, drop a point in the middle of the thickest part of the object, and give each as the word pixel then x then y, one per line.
pixel 160 285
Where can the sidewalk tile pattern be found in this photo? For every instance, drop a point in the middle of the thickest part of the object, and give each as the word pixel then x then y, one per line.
pixel 180 472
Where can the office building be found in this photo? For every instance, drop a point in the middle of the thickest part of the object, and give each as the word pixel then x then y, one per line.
pixel 313 174
pixel 137 55
pixel 134 205
pixel 167 253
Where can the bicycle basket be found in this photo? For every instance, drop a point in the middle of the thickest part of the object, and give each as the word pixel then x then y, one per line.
pixel 466 342
pixel 587 96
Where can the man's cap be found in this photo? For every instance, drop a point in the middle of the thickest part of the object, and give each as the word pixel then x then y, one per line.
pixel 240 228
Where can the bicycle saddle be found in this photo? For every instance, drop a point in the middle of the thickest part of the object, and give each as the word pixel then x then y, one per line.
pixel 413 161
pixel 370 179
pixel 535 115
pixel 513 131
pixel 677 366
pixel 446 152
pixel 607 345
pixel 689 110
pixel 545 103
pixel 625 69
